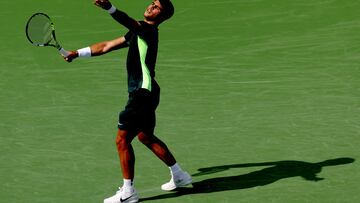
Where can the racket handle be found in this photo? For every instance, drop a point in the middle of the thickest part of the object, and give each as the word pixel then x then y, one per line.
pixel 64 52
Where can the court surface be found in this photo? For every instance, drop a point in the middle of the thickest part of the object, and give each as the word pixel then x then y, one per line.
pixel 260 103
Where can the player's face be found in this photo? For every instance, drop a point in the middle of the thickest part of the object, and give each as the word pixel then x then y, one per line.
pixel 153 11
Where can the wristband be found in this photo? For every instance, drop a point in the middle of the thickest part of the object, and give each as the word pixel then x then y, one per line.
pixel 112 9
pixel 84 52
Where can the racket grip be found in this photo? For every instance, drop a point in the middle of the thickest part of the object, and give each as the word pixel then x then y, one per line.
pixel 64 52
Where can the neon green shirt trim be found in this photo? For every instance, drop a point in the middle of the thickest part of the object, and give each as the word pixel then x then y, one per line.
pixel 143 47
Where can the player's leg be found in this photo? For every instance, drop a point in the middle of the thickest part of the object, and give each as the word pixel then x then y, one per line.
pixel 125 135
pixel 158 148
pixel 179 178
pixel 127 192
pixel 126 153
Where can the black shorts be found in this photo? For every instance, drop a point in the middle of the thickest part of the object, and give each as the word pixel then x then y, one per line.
pixel 139 113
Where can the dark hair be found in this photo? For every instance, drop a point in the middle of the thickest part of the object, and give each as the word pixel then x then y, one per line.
pixel 167 9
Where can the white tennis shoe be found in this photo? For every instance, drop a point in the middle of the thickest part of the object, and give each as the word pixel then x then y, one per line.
pixel 123 196
pixel 179 179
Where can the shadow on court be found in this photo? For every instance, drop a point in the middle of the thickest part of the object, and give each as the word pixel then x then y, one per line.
pixel 274 172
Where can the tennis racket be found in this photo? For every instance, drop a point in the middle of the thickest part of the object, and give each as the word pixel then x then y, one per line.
pixel 40 31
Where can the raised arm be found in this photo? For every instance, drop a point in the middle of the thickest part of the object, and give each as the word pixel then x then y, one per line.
pixel 120 16
pixel 98 49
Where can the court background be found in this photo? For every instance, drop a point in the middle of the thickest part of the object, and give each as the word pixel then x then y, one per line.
pixel 254 92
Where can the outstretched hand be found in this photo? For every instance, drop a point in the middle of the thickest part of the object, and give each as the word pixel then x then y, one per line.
pixel 104 4
pixel 72 55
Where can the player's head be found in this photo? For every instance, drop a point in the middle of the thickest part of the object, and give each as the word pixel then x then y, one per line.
pixel 159 11
pixel 168 9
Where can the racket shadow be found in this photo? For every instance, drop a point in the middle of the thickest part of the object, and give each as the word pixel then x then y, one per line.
pixel 276 171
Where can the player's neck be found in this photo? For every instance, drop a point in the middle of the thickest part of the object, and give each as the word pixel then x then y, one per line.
pixel 151 22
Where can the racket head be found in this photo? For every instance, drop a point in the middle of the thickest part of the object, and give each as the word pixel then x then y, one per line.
pixel 40 30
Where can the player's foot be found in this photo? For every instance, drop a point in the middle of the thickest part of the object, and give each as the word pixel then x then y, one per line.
pixel 123 196
pixel 179 179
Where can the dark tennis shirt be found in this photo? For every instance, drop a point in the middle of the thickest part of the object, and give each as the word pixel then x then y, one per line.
pixel 141 59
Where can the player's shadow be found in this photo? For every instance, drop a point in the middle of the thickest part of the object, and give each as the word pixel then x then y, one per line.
pixel 275 171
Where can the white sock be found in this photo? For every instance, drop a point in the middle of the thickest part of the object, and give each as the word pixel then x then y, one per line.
pixel 175 169
pixel 128 184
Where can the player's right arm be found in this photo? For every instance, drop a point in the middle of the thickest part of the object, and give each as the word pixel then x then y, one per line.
pixel 99 48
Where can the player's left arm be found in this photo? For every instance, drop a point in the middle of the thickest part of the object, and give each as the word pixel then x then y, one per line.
pixel 98 49
pixel 120 16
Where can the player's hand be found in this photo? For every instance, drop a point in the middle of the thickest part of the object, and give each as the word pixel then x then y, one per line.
pixel 104 4
pixel 72 55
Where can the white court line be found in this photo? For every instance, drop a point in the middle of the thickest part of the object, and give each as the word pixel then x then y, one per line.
pixel 258 82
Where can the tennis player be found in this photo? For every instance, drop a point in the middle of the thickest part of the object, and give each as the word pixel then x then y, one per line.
pixel 138 117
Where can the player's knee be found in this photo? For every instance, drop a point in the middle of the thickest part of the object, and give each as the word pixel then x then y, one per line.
pixel 145 139
pixel 119 141
pixel 122 140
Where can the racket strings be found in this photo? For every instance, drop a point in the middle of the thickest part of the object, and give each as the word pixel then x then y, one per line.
pixel 39 30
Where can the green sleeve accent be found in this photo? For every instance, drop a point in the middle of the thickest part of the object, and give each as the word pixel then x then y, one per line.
pixel 143 47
